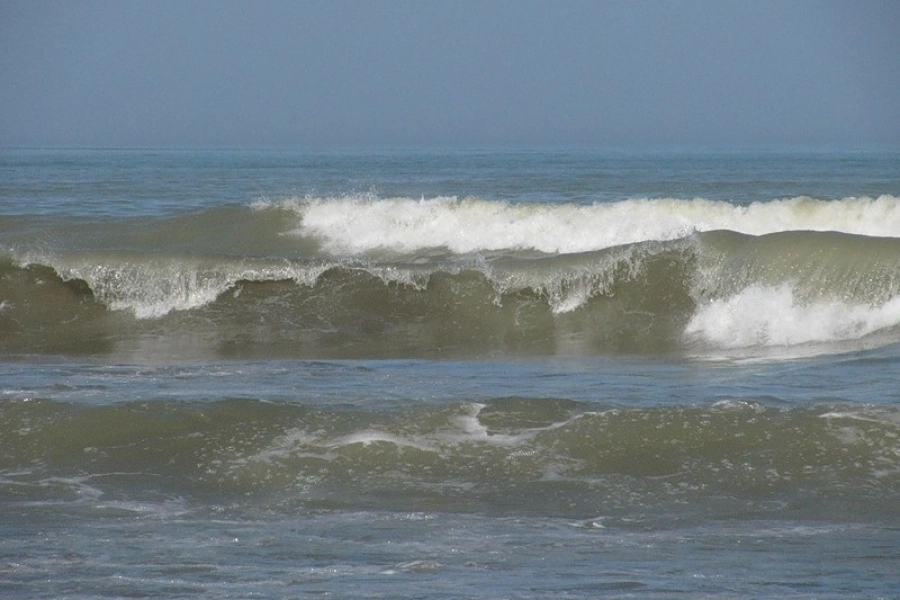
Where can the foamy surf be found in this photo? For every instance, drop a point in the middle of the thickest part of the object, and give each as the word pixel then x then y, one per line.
pixel 361 224
pixel 762 316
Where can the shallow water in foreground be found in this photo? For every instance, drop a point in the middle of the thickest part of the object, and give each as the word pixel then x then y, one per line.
pixel 529 479
pixel 417 555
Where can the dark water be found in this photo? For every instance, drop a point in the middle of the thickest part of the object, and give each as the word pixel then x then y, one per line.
pixel 504 374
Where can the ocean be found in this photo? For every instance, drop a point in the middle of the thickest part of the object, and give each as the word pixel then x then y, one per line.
pixel 499 373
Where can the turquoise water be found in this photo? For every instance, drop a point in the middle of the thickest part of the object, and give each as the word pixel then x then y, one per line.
pixel 449 374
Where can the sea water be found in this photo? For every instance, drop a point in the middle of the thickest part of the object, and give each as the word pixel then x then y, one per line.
pixel 420 373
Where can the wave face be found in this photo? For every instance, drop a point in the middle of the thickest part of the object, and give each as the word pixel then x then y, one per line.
pixel 367 277
pixel 557 457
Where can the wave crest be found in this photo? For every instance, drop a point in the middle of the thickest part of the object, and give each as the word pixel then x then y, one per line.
pixel 357 225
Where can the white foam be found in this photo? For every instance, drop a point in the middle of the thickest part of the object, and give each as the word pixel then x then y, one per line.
pixel 462 429
pixel 359 224
pixel 870 415
pixel 469 429
pixel 371 436
pixel 770 316
pixel 291 443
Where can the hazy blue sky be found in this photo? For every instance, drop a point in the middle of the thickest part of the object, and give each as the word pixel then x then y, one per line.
pixel 329 72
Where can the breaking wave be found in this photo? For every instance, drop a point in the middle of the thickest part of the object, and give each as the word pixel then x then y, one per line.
pixel 363 277
pixel 357 225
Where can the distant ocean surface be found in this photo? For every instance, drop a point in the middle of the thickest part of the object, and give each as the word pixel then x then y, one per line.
pixel 442 374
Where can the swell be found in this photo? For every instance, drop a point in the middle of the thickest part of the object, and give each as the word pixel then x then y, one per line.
pixel 519 454
pixel 710 290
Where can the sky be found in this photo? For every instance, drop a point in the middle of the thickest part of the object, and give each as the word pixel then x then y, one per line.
pixel 449 72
